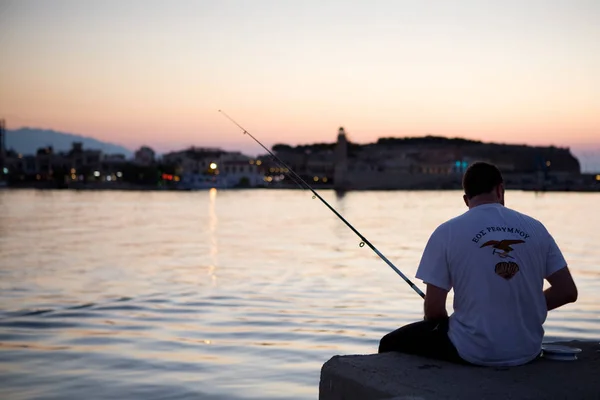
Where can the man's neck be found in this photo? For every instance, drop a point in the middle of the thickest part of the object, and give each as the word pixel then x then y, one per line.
pixel 481 200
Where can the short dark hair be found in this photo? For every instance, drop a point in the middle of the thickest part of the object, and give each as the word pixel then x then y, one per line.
pixel 480 178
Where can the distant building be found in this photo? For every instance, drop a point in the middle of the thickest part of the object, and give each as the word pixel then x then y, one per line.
pixel 117 158
pixel 20 165
pixel 112 166
pixel 45 162
pixel 426 162
pixel 239 170
pixel 212 167
pixel 194 160
pixel 79 158
pixel 144 156
pixel 313 163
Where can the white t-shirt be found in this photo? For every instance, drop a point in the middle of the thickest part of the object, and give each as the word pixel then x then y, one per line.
pixel 496 260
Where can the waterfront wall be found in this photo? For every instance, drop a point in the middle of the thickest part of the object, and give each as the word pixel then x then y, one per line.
pixel 394 376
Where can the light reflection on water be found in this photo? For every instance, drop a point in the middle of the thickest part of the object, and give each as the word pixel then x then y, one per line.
pixel 227 294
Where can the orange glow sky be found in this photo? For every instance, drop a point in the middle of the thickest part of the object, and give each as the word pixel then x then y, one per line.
pixel 156 72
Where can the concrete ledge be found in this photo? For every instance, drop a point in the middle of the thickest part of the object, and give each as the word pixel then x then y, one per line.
pixel 394 376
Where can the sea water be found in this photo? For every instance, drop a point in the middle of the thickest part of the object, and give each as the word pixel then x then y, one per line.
pixel 229 294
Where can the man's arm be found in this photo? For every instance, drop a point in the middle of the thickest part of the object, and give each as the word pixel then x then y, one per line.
pixel 435 302
pixel 434 272
pixel 562 289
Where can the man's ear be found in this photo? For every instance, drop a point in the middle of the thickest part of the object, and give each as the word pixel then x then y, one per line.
pixel 466 200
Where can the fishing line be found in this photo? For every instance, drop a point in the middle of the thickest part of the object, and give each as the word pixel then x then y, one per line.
pixel 298 178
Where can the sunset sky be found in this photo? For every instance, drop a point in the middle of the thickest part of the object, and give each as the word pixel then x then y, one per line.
pixel 293 71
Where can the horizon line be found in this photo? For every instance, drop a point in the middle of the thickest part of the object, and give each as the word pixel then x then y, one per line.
pixel 426 135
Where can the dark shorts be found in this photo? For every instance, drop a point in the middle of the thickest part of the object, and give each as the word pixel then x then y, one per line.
pixel 424 338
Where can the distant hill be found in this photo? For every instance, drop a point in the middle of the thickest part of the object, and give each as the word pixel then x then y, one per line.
pixel 28 140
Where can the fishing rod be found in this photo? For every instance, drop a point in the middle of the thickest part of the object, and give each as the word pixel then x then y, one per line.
pixel 363 239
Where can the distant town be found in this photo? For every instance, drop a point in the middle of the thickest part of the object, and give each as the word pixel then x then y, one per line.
pixel 422 163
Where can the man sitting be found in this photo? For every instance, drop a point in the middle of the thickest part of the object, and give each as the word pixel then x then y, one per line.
pixel 496 260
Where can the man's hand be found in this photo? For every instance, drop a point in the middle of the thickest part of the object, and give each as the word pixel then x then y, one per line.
pixel 562 289
pixel 435 303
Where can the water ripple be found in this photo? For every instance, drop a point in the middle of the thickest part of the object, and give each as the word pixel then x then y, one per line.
pixel 211 295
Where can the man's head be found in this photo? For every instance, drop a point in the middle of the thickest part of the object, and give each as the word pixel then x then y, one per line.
pixel 483 183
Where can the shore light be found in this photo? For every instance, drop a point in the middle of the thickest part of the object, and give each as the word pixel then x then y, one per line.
pixel 213 165
pixel 96 173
